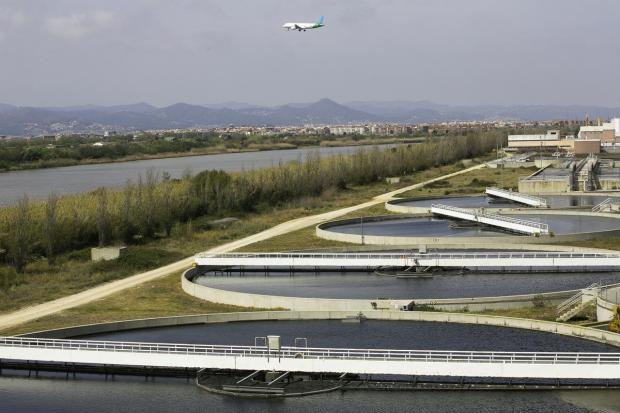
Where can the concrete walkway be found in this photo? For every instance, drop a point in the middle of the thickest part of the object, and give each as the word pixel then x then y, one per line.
pixel 96 293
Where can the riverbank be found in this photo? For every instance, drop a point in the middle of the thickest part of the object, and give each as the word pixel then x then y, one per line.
pixel 215 150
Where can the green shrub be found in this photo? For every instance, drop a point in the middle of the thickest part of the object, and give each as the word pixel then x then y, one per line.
pixel 538 301
pixel 8 278
pixel 79 255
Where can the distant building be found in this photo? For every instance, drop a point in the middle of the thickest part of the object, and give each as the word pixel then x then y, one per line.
pixel 348 130
pixel 607 132
pixel 553 141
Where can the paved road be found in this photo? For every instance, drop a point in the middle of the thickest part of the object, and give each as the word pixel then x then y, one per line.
pixel 96 293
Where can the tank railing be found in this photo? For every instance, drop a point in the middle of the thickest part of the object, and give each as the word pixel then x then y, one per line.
pixel 540 201
pixel 316 353
pixel 569 303
pixel 600 206
pixel 575 299
pixel 504 218
pixel 405 255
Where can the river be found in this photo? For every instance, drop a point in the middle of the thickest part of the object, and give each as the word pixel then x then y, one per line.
pixel 38 183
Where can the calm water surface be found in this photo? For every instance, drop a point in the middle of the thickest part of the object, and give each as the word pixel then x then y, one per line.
pixel 443 227
pixel 371 286
pixel 21 395
pixel 554 201
pixel 95 395
pixel 39 183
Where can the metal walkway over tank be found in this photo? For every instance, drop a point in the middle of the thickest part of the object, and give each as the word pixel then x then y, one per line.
pixel 316 360
pixel 518 225
pixel 529 200
pixel 373 260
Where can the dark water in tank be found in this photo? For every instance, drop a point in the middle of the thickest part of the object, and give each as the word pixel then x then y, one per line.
pixel 482 201
pixel 443 227
pixel 417 335
pixel 20 395
pixel 371 286
pixel 93 394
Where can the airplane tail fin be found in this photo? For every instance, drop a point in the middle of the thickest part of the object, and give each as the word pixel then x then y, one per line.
pixel 321 19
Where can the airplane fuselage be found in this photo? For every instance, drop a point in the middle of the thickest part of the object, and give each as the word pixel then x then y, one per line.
pixel 302 26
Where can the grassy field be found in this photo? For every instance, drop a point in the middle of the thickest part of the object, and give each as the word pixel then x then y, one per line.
pixel 160 298
pixel 611 243
pixel 546 312
pixel 74 272
pixel 472 183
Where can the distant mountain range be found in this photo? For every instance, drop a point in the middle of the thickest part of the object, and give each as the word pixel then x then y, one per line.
pixel 19 121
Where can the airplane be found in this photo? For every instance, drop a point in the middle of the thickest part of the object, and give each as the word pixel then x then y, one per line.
pixel 304 26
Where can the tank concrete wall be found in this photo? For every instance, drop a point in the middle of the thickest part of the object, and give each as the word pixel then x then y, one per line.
pixel 241 299
pixel 438 317
pixel 537 186
pixel 607 300
pixel 322 231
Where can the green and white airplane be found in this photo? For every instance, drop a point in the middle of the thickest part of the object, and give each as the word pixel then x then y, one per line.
pixel 302 27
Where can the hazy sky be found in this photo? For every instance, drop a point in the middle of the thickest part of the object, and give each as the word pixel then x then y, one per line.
pixel 64 52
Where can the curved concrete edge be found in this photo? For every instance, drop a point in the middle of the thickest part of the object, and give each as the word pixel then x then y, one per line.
pixel 495 246
pixel 586 333
pixel 322 231
pixel 394 205
pixel 606 302
pixel 241 299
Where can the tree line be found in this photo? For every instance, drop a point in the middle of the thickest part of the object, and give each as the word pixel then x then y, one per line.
pixel 153 205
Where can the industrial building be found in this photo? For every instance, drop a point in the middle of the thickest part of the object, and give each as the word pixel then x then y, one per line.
pixel 554 141
pixel 590 140
pixel 607 132
pixel 588 174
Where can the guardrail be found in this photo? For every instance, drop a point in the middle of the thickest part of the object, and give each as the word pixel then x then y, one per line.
pixel 477 214
pixel 515 195
pixel 319 353
pixel 575 299
pixel 600 206
pixel 369 256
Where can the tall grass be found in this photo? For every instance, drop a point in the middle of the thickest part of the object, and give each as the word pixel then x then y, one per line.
pixel 153 206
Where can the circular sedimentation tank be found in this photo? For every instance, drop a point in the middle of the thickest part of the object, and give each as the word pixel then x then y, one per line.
pixel 369 285
pixel 106 395
pixel 433 226
pixel 428 229
pixel 380 334
pixel 423 204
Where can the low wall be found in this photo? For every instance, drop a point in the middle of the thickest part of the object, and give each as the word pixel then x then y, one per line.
pixel 456 246
pixel 607 300
pixel 394 205
pixel 586 333
pixel 322 231
pixel 235 298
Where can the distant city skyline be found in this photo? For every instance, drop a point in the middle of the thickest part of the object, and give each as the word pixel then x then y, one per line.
pixel 76 52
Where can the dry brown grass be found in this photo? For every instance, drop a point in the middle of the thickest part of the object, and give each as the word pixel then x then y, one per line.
pixel 160 298
pixel 472 182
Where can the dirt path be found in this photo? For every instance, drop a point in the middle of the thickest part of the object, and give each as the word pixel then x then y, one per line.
pixel 104 290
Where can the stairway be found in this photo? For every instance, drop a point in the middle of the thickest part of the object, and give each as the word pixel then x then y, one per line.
pixel 577 303
pixel 604 206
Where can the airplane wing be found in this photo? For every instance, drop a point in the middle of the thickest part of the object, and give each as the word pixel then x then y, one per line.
pixel 297 27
